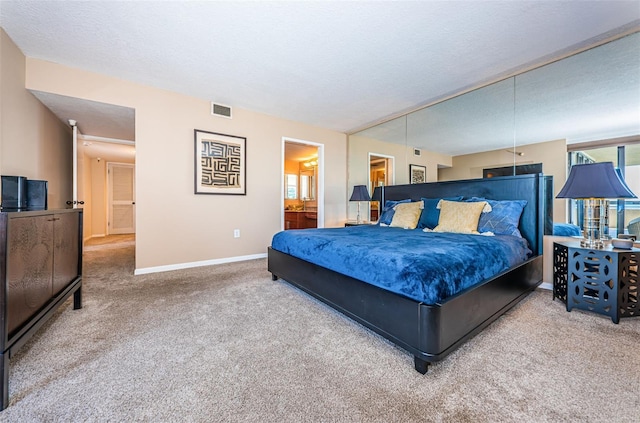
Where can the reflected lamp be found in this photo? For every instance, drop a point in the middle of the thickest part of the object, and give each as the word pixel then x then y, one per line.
pixel 378 195
pixel 594 183
pixel 360 193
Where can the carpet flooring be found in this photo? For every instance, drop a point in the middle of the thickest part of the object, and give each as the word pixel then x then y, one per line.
pixel 226 344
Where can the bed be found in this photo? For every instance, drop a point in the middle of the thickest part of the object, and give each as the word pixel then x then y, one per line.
pixel 428 323
pixel 566 229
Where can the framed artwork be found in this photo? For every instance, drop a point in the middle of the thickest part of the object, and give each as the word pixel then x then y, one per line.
pixel 417 174
pixel 221 163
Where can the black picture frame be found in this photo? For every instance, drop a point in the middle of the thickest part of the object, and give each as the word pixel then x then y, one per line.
pixel 220 163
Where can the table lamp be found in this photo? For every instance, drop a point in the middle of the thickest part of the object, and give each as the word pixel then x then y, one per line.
pixel 594 183
pixel 378 195
pixel 360 193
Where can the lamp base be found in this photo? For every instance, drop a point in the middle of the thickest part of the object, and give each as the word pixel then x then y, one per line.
pixel 358 218
pixel 595 221
pixel 596 244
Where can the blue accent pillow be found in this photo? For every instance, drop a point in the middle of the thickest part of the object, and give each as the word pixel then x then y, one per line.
pixel 387 212
pixel 504 217
pixel 431 213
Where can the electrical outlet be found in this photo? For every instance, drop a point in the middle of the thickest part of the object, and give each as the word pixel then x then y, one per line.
pixel 236 233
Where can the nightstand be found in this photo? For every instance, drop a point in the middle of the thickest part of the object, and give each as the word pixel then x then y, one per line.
pixel 354 223
pixel 604 280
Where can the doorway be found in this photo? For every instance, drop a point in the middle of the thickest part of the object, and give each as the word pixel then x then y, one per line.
pixel 121 199
pixel 381 174
pixel 302 202
pixel 96 157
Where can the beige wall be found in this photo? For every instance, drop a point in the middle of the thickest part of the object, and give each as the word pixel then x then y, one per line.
pixel 33 141
pixel 174 226
pixel 552 155
pixel 358 163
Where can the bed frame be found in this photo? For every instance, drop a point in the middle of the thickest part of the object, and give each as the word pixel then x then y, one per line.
pixel 431 332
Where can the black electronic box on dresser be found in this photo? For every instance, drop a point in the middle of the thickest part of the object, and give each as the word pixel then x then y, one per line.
pixel 40 267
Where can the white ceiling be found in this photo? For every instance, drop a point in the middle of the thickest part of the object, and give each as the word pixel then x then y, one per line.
pixel 92 117
pixel 106 131
pixel 300 152
pixel 590 96
pixel 338 65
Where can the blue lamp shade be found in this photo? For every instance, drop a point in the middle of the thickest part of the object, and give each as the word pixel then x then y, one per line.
pixel 378 194
pixel 595 180
pixel 619 173
pixel 360 193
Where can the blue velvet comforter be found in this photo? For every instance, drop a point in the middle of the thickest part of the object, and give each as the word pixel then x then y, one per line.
pixel 425 266
pixel 566 229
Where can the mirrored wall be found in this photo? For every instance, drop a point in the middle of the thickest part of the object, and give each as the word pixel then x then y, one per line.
pixel 526 119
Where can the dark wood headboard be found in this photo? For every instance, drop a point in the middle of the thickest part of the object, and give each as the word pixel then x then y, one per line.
pixel 536 189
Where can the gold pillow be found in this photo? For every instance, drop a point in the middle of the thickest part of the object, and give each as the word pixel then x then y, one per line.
pixel 406 215
pixel 459 217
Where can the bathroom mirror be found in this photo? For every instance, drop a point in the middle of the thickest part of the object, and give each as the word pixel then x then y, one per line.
pixel 308 184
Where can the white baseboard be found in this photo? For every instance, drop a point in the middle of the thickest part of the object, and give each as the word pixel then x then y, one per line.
pixel 546 285
pixel 169 267
pixel 87 238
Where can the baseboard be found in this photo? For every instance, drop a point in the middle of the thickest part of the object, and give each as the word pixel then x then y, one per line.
pixel 87 238
pixel 180 266
pixel 94 236
pixel 546 285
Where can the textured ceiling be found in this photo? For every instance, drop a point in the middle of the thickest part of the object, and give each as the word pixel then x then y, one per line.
pixel 590 96
pixel 109 129
pixel 339 65
pixel 92 117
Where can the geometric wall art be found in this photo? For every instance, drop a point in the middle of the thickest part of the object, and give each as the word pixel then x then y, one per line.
pixel 220 163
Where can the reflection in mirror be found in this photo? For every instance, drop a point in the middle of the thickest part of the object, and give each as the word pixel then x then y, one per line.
pixel 304 186
pixel 290 186
pixel 307 185
pixel 387 140
pixel 533 117
pixel 590 99
pixel 479 120
pixel 380 169
pixel 622 212
pixel 591 96
pixel 393 131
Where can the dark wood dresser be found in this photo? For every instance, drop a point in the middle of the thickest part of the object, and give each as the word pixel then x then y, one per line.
pixel 41 266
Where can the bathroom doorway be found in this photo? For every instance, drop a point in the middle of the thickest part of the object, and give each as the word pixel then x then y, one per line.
pixel 381 174
pixel 302 188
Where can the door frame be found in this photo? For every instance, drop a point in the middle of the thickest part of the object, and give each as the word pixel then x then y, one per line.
pixel 74 164
pixel 390 176
pixel 320 178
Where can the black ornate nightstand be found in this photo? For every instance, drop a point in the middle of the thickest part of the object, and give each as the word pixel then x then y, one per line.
pixel 604 281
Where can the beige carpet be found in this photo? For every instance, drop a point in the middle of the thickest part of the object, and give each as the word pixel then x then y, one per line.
pixel 225 343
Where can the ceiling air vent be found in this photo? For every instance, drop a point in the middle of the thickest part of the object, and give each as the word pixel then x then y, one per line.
pixel 220 110
pixel 416 151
